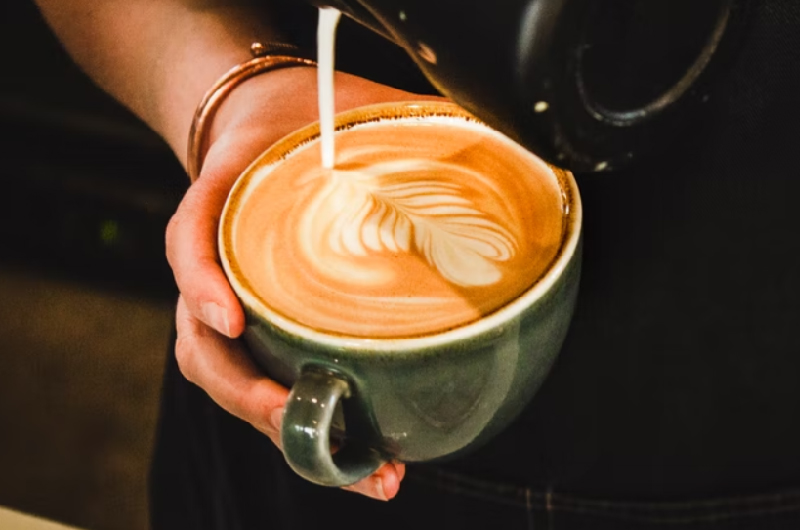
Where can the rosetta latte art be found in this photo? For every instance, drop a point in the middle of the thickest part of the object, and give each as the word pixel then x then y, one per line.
pixel 418 229
pixel 384 207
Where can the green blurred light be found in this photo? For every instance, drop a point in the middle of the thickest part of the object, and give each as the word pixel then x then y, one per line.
pixel 109 232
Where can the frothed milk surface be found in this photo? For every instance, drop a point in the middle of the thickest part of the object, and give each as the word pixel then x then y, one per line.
pixel 424 224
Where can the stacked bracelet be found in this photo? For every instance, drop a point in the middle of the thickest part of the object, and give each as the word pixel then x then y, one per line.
pixel 265 58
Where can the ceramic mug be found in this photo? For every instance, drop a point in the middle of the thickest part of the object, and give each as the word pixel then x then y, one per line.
pixel 418 398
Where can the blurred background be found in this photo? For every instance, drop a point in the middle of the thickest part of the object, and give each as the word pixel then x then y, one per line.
pixel 86 297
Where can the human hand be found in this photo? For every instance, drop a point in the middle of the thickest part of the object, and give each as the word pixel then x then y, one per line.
pixel 209 316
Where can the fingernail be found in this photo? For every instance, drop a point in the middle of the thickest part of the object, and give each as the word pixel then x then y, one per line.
pixel 276 418
pixel 379 493
pixel 217 317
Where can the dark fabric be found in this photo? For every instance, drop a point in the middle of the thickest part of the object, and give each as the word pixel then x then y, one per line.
pixel 679 374
pixel 675 402
pixel 214 472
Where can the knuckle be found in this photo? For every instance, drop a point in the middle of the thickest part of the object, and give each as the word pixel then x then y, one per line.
pixel 184 347
pixel 257 403
pixel 170 235
pixel 249 405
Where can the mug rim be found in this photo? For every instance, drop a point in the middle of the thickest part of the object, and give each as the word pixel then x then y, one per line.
pixel 402 110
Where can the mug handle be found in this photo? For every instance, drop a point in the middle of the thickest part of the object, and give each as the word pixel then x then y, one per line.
pixel 305 433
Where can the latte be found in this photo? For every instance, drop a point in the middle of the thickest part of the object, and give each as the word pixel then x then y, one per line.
pixel 425 224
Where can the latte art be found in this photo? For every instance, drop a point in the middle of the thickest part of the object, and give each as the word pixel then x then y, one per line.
pixel 399 206
pixel 422 226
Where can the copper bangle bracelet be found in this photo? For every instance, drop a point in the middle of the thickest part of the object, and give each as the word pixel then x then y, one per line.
pixel 265 58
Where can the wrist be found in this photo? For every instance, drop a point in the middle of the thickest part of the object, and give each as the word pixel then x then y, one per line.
pixel 261 109
pixel 262 62
pixel 197 53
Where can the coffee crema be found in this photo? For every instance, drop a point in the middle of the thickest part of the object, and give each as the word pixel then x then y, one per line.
pixel 425 224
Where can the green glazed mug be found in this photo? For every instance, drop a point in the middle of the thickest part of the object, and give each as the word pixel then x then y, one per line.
pixel 415 297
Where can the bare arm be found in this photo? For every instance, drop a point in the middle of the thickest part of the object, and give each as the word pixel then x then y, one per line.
pixel 158 57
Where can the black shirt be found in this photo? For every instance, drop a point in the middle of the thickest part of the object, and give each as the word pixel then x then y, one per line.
pixel 680 373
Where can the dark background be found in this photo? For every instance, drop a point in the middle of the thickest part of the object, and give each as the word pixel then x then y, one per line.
pixel 86 186
pixel 85 292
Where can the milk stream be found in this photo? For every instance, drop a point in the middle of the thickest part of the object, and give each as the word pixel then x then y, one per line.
pixel 326 37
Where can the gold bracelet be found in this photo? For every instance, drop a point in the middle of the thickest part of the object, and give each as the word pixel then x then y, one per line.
pixel 265 58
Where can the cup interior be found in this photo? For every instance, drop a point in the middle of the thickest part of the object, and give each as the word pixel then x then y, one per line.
pixel 430 112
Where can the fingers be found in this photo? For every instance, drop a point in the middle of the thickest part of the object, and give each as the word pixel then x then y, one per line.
pixel 222 368
pixel 383 485
pixel 191 243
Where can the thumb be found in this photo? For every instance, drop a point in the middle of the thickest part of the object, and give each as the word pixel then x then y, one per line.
pixel 191 242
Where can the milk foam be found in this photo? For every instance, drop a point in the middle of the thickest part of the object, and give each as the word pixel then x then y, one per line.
pixel 423 226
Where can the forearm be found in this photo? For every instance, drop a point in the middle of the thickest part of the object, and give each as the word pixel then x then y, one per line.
pixel 158 57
